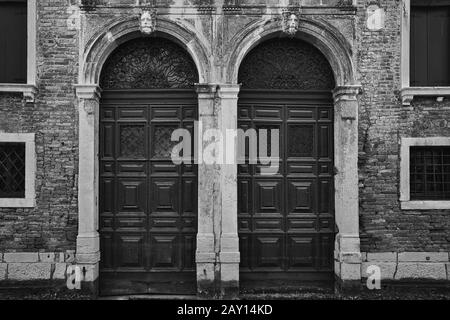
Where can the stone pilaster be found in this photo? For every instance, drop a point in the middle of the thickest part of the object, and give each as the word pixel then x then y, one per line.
pixel 217 239
pixel 229 240
pixel 347 246
pixel 208 197
pixel 88 243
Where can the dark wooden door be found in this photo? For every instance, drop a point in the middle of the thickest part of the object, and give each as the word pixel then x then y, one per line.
pixel 286 221
pixel 148 205
pixel 148 212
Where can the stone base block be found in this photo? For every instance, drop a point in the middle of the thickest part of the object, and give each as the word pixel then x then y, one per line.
pixel 29 271
pixel 428 271
pixel 350 271
pixel 387 269
pixel 3 269
pixel 16 257
pixel 60 271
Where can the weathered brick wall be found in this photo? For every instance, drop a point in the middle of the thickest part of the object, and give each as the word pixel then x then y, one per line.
pixel 383 120
pixel 52 224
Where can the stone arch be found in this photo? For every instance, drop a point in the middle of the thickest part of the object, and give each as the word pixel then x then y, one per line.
pixel 101 45
pixel 319 33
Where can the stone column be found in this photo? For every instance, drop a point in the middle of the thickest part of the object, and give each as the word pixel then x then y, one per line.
pixel 208 197
pixel 217 239
pixel 347 246
pixel 88 243
pixel 229 240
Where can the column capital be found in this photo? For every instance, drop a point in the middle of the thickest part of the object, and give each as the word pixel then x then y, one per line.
pixel 229 91
pixel 346 93
pixel 88 91
pixel 221 90
pixel 206 90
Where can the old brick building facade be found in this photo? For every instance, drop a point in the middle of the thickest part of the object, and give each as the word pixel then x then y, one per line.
pixel 85 127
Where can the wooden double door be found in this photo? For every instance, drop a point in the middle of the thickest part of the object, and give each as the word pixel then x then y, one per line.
pixel 286 220
pixel 148 205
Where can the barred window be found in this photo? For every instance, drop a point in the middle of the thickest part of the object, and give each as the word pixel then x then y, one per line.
pixel 430 173
pixel 12 170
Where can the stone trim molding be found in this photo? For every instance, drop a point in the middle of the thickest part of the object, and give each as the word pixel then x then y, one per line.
pixel 408 265
pixel 329 40
pixel 30 170
pixel 405 200
pixel 29 89
pixel 98 48
pixel 88 92
pixel 407 93
pixel 26 266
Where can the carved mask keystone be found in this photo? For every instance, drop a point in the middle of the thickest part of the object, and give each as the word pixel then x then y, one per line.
pixel 290 22
pixel 148 22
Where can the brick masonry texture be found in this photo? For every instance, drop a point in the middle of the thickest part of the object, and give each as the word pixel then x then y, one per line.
pixel 383 120
pixel 52 224
pixel 384 227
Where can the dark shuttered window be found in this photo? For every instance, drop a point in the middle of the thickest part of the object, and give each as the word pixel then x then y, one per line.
pixel 430 43
pixel 13 41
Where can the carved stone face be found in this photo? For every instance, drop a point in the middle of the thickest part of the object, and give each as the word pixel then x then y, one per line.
pixel 292 24
pixel 147 22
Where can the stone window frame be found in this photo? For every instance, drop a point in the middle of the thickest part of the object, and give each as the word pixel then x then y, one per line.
pixel 28 89
pixel 30 170
pixel 407 92
pixel 405 197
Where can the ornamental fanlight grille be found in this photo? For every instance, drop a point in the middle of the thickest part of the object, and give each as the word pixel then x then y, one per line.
pixel 286 64
pixel 149 63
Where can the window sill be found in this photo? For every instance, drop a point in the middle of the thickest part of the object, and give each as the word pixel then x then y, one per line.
pixel 17 203
pixel 408 94
pixel 29 91
pixel 425 205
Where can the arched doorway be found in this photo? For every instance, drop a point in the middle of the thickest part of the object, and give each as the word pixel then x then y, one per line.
pixel 286 221
pixel 147 204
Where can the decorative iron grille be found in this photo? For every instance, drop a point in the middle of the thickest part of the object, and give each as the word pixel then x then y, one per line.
pixel 430 173
pixel 149 63
pixel 286 64
pixel 12 170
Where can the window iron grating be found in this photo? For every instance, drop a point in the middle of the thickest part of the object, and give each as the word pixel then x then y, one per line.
pixel 12 170
pixel 430 173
